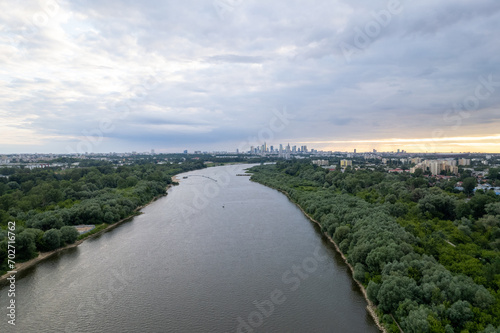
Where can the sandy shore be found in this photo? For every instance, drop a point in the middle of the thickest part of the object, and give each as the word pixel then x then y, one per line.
pixel 370 307
pixel 44 255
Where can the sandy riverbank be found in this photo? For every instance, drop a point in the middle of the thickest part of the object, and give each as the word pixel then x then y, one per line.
pixel 370 306
pixel 44 255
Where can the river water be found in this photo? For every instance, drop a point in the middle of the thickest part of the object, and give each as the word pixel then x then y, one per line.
pixel 218 254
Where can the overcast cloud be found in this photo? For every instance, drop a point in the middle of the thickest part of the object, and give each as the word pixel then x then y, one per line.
pixel 206 75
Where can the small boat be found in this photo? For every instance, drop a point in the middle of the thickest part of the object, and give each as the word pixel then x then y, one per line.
pixel 185 177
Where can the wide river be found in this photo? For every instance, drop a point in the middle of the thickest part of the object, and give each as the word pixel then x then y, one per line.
pixel 217 254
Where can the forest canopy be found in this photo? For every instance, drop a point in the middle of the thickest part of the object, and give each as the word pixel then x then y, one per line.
pixel 47 203
pixel 428 257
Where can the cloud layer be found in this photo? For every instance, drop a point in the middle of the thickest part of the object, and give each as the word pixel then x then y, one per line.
pixel 172 75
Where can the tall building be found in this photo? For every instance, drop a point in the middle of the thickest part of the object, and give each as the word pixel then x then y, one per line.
pixel 345 163
pixel 464 161
pixel 321 162
pixel 437 166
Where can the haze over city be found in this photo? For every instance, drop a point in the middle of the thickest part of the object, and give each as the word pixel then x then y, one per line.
pixel 103 76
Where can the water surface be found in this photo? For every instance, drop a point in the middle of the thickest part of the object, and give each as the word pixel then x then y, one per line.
pixel 212 256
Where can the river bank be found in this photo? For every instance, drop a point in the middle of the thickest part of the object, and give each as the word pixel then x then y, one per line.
pixel 371 308
pixel 22 266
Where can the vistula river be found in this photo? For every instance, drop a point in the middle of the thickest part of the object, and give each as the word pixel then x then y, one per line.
pixel 218 254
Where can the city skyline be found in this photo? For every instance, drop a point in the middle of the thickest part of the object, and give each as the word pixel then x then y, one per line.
pixel 334 75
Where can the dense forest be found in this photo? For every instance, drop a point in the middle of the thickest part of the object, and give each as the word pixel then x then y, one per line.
pixel 46 203
pixel 428 255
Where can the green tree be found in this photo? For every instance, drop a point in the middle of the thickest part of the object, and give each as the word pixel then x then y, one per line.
pixel 460 312
pixel 438 205
pixel 493 208
pixel 469 184
pixel 416 322
pixel 395 289
pixel 419 172
pixel 25 246
pixel 494 173
pixel 52 239
pixel 69 234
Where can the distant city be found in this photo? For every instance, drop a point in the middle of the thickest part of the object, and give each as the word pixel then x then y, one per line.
pixel 443 166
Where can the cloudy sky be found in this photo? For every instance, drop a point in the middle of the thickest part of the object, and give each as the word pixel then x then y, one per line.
pixel 109 75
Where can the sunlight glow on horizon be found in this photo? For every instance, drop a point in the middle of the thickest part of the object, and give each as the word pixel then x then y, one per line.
pixel 423 145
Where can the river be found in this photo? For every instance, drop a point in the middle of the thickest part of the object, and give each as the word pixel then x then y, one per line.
pixel 219 253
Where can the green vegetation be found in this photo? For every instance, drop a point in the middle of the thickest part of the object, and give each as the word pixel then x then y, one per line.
pixel 97 229
pixel 429 257
pixel 47 203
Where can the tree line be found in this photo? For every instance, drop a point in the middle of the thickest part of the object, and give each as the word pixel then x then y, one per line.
pixel 428 256
pixel 47 203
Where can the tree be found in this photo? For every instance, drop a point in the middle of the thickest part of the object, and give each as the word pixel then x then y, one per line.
pixel 494 173
pixel 493 208
pixel 438 205
pixel 69 234
pixel 478 204
pixel 460 312
pixel 418 172
pixel 395 289
pixel 372 291
pixel 13 185
pixel 25 246
pixel 359 272
pixel 52 239
pixel 469 184
pixel 416 322
pixel 341 233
